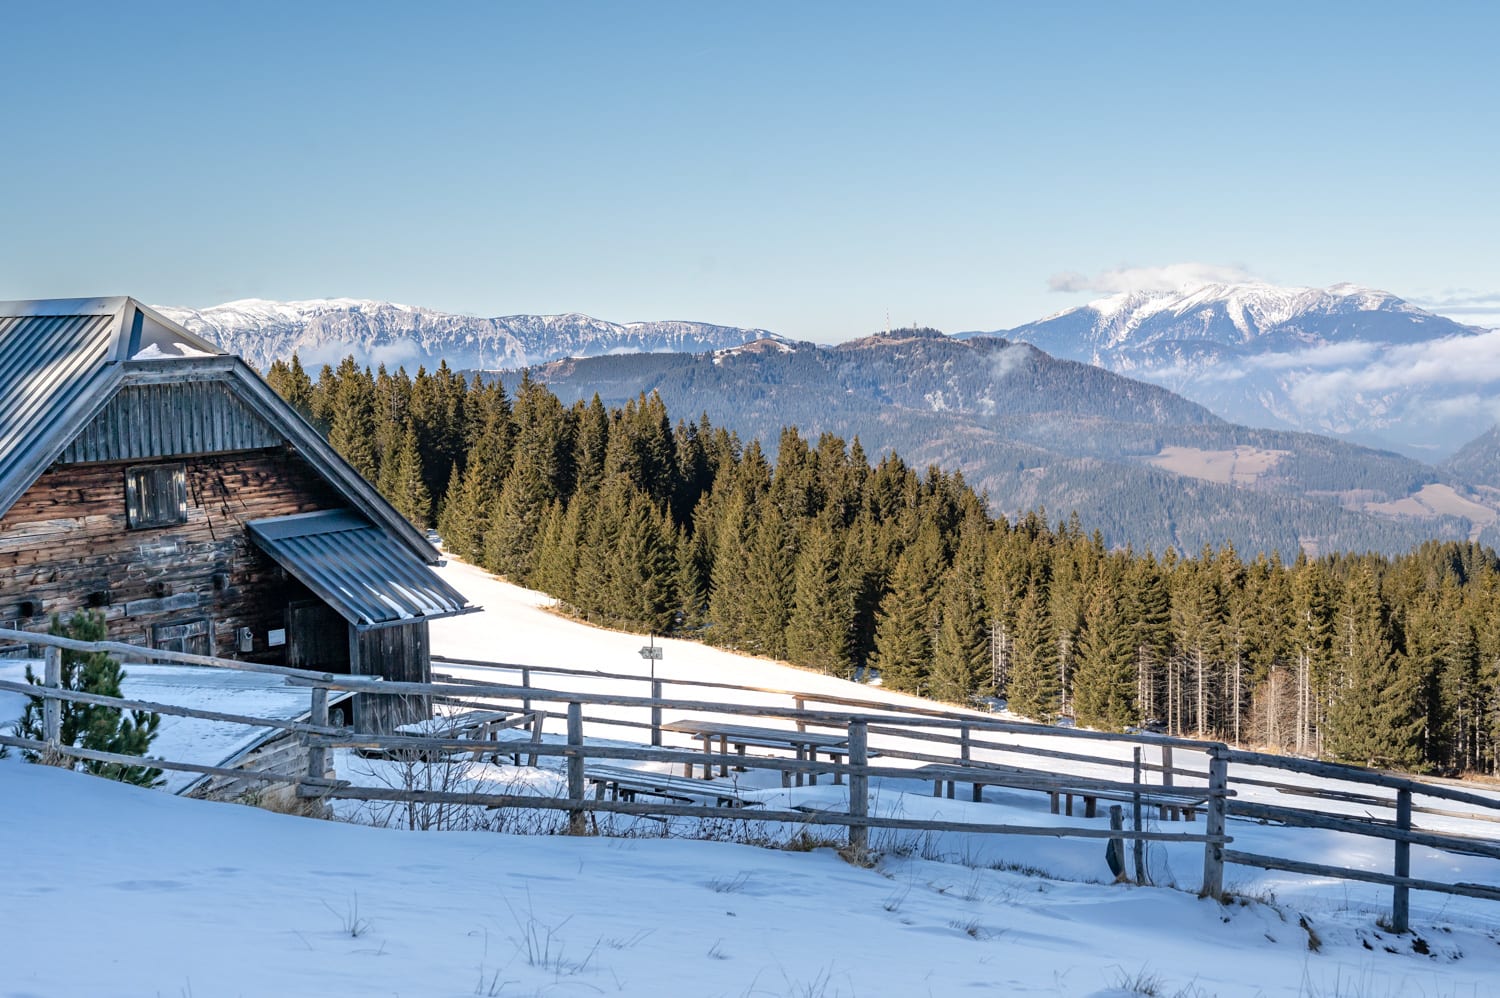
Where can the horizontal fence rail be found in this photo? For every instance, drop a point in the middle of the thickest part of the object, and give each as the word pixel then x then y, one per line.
pixel 958 747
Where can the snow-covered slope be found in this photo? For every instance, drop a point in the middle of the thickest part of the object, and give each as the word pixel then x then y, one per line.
pixel 1346 360
pixel 188 897
pixel 324 330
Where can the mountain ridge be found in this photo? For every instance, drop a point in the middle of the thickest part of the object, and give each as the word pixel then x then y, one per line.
pixel 324 330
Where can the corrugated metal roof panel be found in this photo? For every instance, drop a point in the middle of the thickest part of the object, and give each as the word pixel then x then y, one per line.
pixel 370 579
pixel 46 362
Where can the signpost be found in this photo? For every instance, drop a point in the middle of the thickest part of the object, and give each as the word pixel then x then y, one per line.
pixel 652 654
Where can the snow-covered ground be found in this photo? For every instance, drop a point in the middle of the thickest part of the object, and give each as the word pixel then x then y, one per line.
pixel 112 890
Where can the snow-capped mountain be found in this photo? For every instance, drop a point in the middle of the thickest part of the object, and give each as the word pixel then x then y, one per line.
pixel 1346 360
pixel 324 330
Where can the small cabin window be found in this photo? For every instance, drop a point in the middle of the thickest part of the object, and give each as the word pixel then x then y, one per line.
pixel 156 495
pixel 191 636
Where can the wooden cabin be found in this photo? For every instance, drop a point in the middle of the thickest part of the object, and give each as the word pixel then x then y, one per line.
pixel 149 475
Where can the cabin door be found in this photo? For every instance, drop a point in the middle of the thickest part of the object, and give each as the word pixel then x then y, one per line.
pixel 316 638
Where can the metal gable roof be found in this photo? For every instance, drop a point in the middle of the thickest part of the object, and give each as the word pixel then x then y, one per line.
pixel 62 360
pixel 357 569
pixel 59 360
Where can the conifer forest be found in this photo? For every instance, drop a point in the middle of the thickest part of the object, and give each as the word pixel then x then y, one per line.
pixel 841 565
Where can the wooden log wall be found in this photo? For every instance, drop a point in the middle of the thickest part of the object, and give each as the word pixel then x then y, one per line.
pixel 65 545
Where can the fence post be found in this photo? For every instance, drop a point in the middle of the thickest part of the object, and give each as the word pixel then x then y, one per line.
pixel 317 755
pixel 1114 849
pixel 526 682
pixel 1138 847
pixel 1401 901
pixel 859 788
pixel 801 705
pixel 1166 780
pixel 51 707
pixel 963 742
pixel 656 713
pixel 1213 852
pixel 576 818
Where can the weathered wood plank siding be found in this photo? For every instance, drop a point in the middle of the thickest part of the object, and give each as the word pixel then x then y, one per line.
pixel 67 539
pixel 166 420
pixel 399 654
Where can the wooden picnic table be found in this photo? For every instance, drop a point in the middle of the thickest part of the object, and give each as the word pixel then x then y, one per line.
pixel 628 784
pixel 804 744
pixel 1062 787
pixel 493 731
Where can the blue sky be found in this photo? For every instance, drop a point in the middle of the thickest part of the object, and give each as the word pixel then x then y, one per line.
pixel 805 167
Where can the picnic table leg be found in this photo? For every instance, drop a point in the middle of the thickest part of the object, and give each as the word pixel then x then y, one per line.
pixel 801 757
pixel 951 784
pixel 708 754
pixel 1090 806
pixel 937 788
pixel 1070 805
pixel 723 750
pixel 740 748
pixel 838 776
pixel 1054 796
pixel 978 792
pixel 812 771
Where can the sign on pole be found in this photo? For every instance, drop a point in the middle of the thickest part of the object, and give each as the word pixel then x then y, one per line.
pixel 652 653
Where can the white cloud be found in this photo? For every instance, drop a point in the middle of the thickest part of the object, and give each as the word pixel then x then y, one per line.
pixel 1478 308
pixel 1172 277
pixel 1008 359
pixel 1452 361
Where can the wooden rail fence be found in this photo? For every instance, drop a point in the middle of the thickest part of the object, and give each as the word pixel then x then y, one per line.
pixel 950 739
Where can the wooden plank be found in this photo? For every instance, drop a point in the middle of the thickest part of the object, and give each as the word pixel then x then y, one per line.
pixel 1299 818
pixel 744 814
pixel 1355 774
pixel 1485 892
pixel 185 767
pixel 78 696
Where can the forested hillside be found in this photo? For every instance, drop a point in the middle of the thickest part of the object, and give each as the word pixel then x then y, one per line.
pixel 1028 430
pixel 633 520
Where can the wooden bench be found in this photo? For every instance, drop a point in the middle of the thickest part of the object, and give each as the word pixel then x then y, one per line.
pixel 628 784
pixel 805 745
pixel 1062 789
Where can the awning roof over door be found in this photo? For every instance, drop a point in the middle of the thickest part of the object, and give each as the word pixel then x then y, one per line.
pixel 366 576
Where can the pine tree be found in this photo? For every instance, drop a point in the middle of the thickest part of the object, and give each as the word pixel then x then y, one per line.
pixel 291 382
pixel 1034 690
pixel 769 584
pixel 961 652
pixel 93 726
pixel 1374 720
pixel 352 419
pixel 822 620
pixel 905 625
pixel 1104 685
pixel 402 483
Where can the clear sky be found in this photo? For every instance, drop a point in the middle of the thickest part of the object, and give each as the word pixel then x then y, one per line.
pixel 804 167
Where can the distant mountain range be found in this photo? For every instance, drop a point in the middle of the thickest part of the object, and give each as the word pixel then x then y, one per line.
pixel 1047 421
pixel 1143 465
pixel 325 330
pixel 1344 360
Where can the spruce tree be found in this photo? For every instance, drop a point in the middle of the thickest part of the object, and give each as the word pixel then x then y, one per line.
pixel 769 584
pixel 1374 720
pixel 961 652
pixel 93 726
pixel 821 625
pixel 905 625
pixel 352 419
pixel 1104 685
pixel 1034 689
